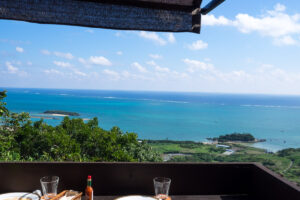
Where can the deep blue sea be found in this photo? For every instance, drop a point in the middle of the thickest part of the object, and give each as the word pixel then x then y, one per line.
pixel 173 115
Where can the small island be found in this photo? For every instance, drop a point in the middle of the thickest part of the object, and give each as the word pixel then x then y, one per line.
pixel 60 112
pixel 236 137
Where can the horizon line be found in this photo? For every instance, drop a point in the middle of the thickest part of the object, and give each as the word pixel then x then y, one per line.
pixel 158 91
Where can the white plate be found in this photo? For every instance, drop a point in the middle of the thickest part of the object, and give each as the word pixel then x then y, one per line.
pixel 135 197
pixel 18 195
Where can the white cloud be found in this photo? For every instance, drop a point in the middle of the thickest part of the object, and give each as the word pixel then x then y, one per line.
pixel 239 73
pixel 180 75
pixel 125 75
pixel 74 73
pixel 95 60
pixel 265 67
pixel 274 23
pixel 128 75
pixel 119 53
pixel 155 56
pixel 171 37
pixel 99 60
pixel 271 73
pixel 63 55
pixel 89 31
pixel 118 34
pixel 157 68
pixel 139 67
pixel 29 63
pixel 79 73
pixel 10 68
pixel 151 63
pixel 45 52
pixel 53 71
pixel 270 78
pixel 152 36
pixel 208 72
pixel 195 65
pixel 58 54
pixel 197 75
pixel 162 69
pixel 113 75
pixel 156 38
pixel 197 45
pixel 83 61
pixel 279 7
pixel 62 64
pixel 19 49
pixel 211 20
pixel 285 40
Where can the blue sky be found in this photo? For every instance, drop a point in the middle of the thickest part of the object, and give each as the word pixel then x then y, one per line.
pixel 244 47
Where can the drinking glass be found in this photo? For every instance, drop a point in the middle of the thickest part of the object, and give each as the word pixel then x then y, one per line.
pixel 49 186
pixel 161 187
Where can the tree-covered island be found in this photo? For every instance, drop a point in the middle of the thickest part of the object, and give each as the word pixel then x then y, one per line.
pixel 236 137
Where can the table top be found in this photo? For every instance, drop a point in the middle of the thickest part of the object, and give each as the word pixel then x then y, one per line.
pixel 189 197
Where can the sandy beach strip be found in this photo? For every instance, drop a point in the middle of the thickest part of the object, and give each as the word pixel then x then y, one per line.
pixel 58 115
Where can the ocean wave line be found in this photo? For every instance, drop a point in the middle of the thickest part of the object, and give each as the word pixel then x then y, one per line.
pixel 270 106
pixel 159 100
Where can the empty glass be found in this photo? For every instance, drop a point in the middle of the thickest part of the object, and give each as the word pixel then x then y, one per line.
pixel 49 186
pixel 161 187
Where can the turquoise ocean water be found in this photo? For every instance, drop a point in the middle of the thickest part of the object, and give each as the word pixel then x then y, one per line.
pixel 176 116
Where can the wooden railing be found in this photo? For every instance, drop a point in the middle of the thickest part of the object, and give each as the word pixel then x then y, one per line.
pixel 248 179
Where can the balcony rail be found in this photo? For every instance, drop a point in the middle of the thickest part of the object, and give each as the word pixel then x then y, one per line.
pixel 220 180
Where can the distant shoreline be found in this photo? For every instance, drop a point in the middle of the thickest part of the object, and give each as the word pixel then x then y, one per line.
pixel 53 116
pixel 43 117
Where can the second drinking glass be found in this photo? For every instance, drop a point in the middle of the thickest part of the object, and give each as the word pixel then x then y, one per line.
pixel 161 187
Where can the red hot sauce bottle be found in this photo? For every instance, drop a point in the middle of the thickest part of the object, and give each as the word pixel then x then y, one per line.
pixel 89 193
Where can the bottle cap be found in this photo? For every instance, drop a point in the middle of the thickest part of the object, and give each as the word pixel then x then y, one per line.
pixel 89 177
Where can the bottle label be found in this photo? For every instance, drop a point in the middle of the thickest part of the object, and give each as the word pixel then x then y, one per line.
pixel 89 197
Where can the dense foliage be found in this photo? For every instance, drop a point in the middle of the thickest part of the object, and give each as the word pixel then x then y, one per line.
pixel 3 110
pixel 72 140
pixel 244 137
pixel 292 154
